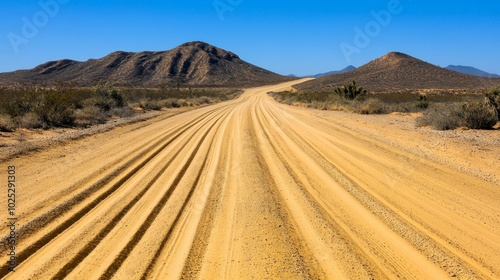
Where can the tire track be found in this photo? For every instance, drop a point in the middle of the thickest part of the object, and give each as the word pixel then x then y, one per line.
pixel 183 248
pixel 435 247
pixel 44 219
pixel 384 258
pixel 134 165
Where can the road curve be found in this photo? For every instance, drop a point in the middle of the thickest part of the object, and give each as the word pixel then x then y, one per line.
pixel 249 189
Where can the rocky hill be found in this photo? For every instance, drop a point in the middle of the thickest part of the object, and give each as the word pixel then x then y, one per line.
pixel 190 64
pixel 398 71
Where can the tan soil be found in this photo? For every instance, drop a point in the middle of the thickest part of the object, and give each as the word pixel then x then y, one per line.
pixel 253 189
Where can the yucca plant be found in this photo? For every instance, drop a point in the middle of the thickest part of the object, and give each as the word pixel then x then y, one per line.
pixel 351 91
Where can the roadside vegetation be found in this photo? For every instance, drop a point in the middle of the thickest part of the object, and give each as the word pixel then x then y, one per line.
pixel 481 112
pixel 440 110
pixel 66 106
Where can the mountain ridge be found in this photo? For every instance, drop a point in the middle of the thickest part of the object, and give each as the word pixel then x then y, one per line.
pixel 399 71
pixel 471 71
pixel 346 69
pixel 191 64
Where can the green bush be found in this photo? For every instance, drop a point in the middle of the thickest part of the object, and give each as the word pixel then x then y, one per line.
pixel 479 115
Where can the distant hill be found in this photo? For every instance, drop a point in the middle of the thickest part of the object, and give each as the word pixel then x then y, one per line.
pixel 190 64
pixel 398 71
pixel 347 69
pixel 471 71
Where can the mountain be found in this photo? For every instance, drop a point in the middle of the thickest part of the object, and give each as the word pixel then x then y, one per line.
pixel 190 64
pixel 347 69
pixel 398 71
pixel 471 71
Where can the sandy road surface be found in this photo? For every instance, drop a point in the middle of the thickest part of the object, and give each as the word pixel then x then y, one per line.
pixel 249 189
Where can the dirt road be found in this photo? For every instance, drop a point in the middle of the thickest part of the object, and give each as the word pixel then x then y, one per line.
pixel 248 189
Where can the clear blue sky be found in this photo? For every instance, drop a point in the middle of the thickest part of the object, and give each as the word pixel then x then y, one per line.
pixel 286 37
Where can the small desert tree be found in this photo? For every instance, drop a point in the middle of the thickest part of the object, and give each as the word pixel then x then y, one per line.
pixel 351 91
pixel 423 101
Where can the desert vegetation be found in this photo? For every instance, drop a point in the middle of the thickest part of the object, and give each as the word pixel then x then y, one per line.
pixel 66 106
pixel 355 99
pixel 442 110
pixel 480 112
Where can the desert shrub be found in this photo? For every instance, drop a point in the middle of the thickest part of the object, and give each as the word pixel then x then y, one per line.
pixel 171 103
pixel 183 102
pixel 90 115
pixel 351 91
pixel 53 109
pixel 479 115
pixel 370 106
pixel 124 112
pixel 7 123
pixel 204 100
pixel 493 97
pixel 442 117
pixel 31 120
pixel 151 105
pixel 167 103
pixel 106 97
